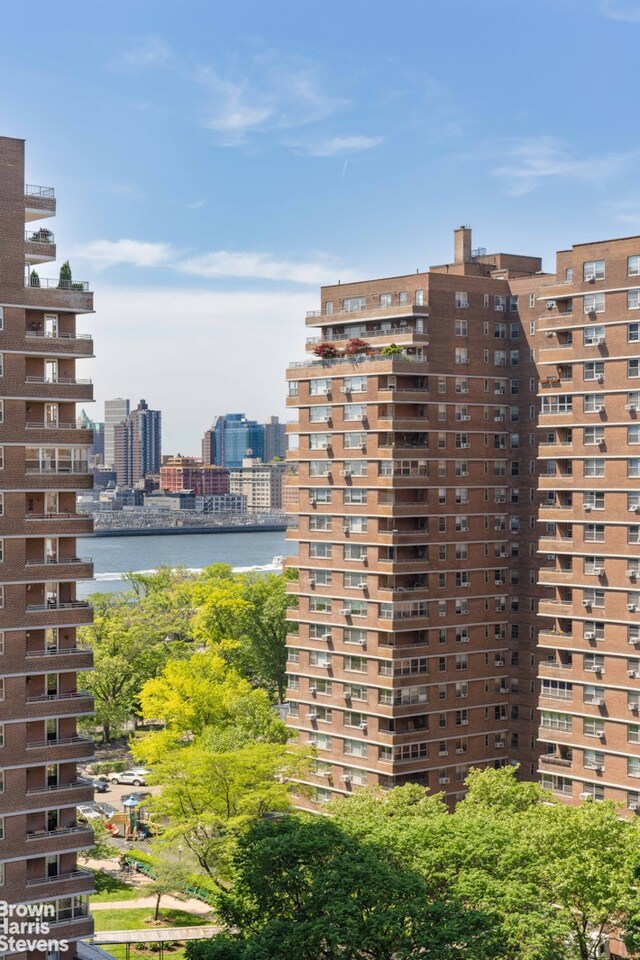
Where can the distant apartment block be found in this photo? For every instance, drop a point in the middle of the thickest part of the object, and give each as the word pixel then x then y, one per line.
pixel 275 440
pixel 187 473
pixel 261 483
pixel 138 443
pixel 115 413
pixel 231 438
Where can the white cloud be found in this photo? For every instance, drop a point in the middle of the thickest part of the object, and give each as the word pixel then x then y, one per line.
pixel 148 52
pixel 533 160
pixel 205 352
pixel 196 204
pixel 624 11
pixel 107 253
pixel 271 92
pixel 249 264
pixel 338 146
pixel 252 264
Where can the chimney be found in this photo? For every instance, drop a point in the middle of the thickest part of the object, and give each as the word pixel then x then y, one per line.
pixel 462 244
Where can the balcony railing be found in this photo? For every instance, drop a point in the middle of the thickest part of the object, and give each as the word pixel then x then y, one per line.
pixel 58 832
pixel 81 467
pixel 38 744
pixel 45 425
pixel 388 330
pixel 57 336
pixel 55 283
pixel 357 360
pixel 65 380
pixel 57 516
pixel 72 695
pixel 39 236
pixel 33 190
pixel 54 787
pixel 55 605
pixel 71 875
pixel 368 307
pixel 67 651
pixel 56 560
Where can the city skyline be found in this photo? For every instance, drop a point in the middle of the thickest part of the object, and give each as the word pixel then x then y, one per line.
pixel 326 147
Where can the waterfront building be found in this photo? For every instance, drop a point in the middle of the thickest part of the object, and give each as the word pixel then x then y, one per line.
pixel 44 458
pixel 222 503
pixel 187 473
pixel 231 438
pixel 275 439
pixel 138 442
pixel 115 412
pixel 412 649
pixel 261 483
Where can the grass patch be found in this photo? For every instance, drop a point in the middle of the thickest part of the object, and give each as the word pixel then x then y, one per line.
pixel 119 952
pixel 111 888
pixel 134 919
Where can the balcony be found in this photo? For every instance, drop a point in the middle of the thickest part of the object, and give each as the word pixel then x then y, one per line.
pixel 60 469
pixel 80 568
pixel 39 202
pixel 72 523
pixel 374 363
pixel 64 388
pixel 85 875
pixel 58 605
pixel 39 246
pixel 74 344
pixel 78 784
pixel 51 293
pixel 315 318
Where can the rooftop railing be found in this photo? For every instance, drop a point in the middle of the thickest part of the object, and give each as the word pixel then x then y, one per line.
pixel 33 190
pixel 56 283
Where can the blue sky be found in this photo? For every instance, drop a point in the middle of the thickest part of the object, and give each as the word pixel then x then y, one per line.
pixel 215 162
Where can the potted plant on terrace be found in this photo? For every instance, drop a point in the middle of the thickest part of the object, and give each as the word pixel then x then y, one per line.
pixel 392 350
pixel 356 346
pixel 326 351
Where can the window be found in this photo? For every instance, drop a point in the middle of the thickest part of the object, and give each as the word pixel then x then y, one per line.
pixel 320 551
pixel 461 355
pixel 593 270
pixel 513 307
pixel 319 387
pixel 594 370
pixel 633 299
pixel 355 384
pixel 353 304
pixel 500 331
pixel 633 332
pixel 320 605
pixel 419 300
pixel 319 441
pixel 355 495
pixel 633 367
pixel 354 551
pixel 462 327
pixel 594 468
pixel 500 304
pixel 319 414
pixel 319 495
pixel 462 300
pixel 593 435
pixel 532 300
pixel 354 441
pixel 355 411
pixel 385 299
pixel 594 303
pixel 633 266
pixel 594 533
pixel 633 433
pixel 556 721
pixel 594 336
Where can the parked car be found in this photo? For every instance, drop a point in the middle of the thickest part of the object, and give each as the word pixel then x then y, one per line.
pixel 136 777
pixel 99 785
pixel 106 809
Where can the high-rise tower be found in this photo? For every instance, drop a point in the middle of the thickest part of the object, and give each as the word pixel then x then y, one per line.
pixel 43 463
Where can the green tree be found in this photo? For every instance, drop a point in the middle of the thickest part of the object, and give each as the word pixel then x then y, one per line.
pixel 129 644
pixel 211 794
pixel 305 888
pixel 169 876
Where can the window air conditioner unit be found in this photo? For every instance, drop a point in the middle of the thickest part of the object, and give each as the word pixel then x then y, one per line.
pixel 634 805
pixel 499 418
pixel 345 611
pixel 599 768
pixel 499 390
pixel 600 734
pixel 587 603
pixel 584 796
pixel 326 636
pixel 551 304
pixel 499 307
pixel 363 725
pixel 346 778
pixel 632 673
pixel 600 378
pixel 312 502
pixel 598 571
pixel 499 744
pixel 587 507
pixel 589 635
pixel 346 529
pixel 632 574
pixel 590 278
pixel 313 691
pixel 634 707
pixel 392 383
pixel 600 408
pixel 464 390
pixel 345 389
pixel 313 717
pixel 312 583
pixel 499 663
pixel 464 723
pixel 596 341
pixel 444 780
pixel 361 643
pixel 345 473
pixel 464 446
pixel 549 334
pixel 597 702
pixel 631 607
pixel 465 417
pixel 631 407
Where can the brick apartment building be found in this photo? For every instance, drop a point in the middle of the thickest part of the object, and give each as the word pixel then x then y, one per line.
pixel 187 473
pixel 43 463
pixel 419 646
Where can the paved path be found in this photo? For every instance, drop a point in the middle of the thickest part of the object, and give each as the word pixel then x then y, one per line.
pixel 191 905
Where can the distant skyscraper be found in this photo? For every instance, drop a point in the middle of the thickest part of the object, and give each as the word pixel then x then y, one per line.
pixel 231 438
pixel 115 412
pixel 138 444
pixel 96 453
pixel 274 439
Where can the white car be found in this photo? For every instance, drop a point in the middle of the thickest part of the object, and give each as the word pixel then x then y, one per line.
pixel 136 777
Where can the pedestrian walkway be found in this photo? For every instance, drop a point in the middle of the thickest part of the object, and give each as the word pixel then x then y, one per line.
pixel 174 903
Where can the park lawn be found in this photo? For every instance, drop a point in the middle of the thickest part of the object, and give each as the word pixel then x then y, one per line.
pixel 111 888
pixel 134 919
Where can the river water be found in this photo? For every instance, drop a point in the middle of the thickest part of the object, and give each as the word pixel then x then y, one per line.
pixel 113 556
